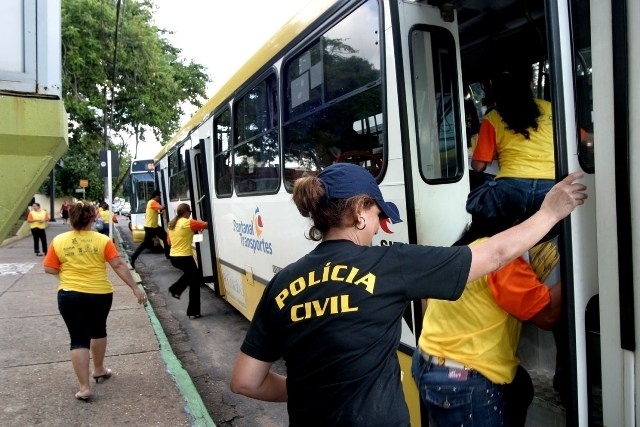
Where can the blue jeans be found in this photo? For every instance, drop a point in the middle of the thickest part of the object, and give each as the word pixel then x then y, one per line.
pixel 509 198
pixel 456 397
pixel 500 204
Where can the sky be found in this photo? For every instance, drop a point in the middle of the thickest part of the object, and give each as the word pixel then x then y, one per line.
pixel 207 30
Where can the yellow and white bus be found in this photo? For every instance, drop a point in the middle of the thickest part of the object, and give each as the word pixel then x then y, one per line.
pixel 384 84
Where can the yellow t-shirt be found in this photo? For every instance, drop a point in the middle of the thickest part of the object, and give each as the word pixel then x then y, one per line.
pixel 482 328
pixel 151 214
pixel 518 157
pixel 42 215
pixel 80 256
pixel 181 236
pixel 104 214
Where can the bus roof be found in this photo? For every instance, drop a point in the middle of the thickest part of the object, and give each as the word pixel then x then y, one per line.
pixel 501 16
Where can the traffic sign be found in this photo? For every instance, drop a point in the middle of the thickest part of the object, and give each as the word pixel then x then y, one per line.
pixel 79 190
pixel 84 183
pixel 103 162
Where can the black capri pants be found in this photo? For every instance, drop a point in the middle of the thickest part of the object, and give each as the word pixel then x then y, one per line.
pixel 85 316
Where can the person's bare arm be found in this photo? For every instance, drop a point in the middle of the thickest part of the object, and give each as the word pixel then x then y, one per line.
pixel 500 249
pixel 51 270
pixel 121 269
pixel 549 315
pixel 254 378
pixel 478 165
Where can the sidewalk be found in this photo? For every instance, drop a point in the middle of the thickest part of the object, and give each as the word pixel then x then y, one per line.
pixel 37 383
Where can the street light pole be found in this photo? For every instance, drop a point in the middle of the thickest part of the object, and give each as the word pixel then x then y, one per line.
pixel 109 192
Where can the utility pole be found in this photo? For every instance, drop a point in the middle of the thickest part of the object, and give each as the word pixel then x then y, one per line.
pixel 107 124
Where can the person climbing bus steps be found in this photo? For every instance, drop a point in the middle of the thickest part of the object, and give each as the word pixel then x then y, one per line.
pixel 151 228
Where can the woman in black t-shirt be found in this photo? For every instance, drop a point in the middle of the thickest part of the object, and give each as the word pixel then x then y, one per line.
pixel 335 315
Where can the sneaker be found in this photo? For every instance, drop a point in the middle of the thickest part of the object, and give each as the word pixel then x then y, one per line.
pixel 39 254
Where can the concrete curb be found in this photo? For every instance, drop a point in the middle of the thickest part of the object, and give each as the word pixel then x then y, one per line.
pixel 194 406
pixel 23 232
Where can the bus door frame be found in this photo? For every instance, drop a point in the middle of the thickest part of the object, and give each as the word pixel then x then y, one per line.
pixel 429 204
pixel 199 190
pixel 435 213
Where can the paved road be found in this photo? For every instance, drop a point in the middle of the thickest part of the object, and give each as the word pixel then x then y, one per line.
pixel 207 346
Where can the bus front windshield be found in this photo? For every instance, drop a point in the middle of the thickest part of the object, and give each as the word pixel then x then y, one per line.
pixel 143 186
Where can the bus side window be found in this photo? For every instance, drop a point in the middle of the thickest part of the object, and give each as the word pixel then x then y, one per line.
pixel 256 151
pixel 333 110
pixel 222 153
pixel 437 108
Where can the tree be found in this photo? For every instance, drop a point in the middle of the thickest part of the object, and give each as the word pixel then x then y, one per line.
pixel 151 84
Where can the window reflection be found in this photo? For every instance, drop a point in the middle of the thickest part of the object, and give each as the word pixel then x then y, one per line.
pixel 256 153
pixel 584 87
pixel 334 99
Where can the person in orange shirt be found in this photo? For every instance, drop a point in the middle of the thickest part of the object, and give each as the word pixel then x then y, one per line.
pixel 181 230
pixel 38 220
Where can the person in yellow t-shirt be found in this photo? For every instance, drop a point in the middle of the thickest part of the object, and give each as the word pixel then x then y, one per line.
pixel 181 230
pixel 85 293
pixel 467 348
pixel 103 213
pixel 151 228
pixel 519 133
pixel 38 220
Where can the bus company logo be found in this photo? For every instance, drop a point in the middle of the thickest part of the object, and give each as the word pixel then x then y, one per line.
pixel 250 233
pixel 385 224
pixel 257 221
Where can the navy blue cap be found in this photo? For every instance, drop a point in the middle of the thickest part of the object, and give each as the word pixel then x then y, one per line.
pixel 345 180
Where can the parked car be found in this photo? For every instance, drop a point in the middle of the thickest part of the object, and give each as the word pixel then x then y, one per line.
pixel 125 209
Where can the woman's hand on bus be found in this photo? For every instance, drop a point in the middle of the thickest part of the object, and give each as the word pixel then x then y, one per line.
pixel 503 247
pixel 565 196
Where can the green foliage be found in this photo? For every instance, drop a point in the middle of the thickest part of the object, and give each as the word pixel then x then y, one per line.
pixel 151 85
